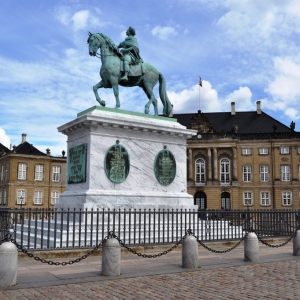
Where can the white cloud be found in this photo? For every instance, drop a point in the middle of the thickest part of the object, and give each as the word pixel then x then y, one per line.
pixel 163 33
pixel 80 19
pixel 4 139
pixel 242 98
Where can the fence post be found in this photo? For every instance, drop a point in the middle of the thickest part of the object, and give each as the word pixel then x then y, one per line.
pixel 111 257
pixel 9 264
pixel 251 249
pixel 296 244
pixel 190 252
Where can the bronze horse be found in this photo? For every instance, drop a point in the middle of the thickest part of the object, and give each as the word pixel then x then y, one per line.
pixel 110 74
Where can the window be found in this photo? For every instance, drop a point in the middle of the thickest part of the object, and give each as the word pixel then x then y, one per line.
pixel 264 173
pixel 0 197
pixel 265 199
pixel 285 173
pixel 263 151
pixel 284 150
pixel 39 172
pixel 247 173
pixel 38 197
pixel 298 150
pixel 286 198
pixel 21 197
pixel 6 172
pixel 225 171
pixel 4 197
pixel 200 171
pixel 2 172
pixel 54 197
pixel 56 173
pixel 247 198
pixel 246 151
pixel 22 171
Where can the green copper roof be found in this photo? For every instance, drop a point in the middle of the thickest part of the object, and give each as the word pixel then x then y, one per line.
pixel 125 112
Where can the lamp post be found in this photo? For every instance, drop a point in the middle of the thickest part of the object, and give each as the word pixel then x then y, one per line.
pixel 21 201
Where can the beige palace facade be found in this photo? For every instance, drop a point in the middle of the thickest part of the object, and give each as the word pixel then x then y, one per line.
pixel 30 178
pixel 242 160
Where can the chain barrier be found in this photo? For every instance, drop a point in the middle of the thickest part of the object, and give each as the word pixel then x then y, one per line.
pixel 111 234
pixel 8 238
pixel 213 250
pixel 279 245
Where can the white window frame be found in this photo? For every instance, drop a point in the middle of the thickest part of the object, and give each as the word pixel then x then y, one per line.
pixel 56 173
pixel 246 151
pixel 247 173
pixel 22 171
pixel 21 193
pixel 285 172
pixel 38 197
pixel 54 197
pixel 285 150
pixel 0 197
pixel 298 150
pixel 2 172
pixel 265 199
pixel 287 198
pixel 6 171
pixel 263 151
pixel 39 172
pixel 224 171
pixel 264 173
pixel 200 171
pixel 4 197
pixel 248 198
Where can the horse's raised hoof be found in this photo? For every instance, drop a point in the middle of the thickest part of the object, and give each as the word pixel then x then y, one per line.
pixel 146 110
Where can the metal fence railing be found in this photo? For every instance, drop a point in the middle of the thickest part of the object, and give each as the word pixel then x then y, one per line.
pixel 69 229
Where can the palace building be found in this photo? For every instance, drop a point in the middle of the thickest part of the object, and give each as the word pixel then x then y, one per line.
pixel 242 159
pixel 30 178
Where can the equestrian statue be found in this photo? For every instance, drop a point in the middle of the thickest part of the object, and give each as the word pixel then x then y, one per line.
pixel 126 68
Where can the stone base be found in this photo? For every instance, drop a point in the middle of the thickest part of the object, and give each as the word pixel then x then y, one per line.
pixel 143 137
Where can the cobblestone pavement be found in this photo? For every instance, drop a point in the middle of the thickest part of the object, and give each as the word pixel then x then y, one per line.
pixel 275 280
pixel 221 276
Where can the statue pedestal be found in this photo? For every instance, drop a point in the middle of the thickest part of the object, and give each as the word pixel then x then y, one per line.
pixel 91 136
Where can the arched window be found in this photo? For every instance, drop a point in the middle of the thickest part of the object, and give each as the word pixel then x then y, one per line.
pixel 225 171
pixel 200 170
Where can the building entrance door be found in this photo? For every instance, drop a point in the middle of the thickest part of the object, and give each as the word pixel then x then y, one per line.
pixel 200 200
pixel 225 200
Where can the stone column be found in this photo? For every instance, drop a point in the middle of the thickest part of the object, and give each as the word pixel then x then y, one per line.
pixel 251 248
pixel 191 177
pixel 111 258
pixel 215 164
pixel 296 244
pixel 234 166
pixel 209 164
pixel 190 252
pixel 8 264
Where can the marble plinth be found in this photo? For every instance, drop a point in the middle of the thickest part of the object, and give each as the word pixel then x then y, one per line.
pixel 143 137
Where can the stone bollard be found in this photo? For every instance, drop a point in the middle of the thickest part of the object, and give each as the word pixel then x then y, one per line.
pixel 251 249
pixel 296 244
pixel 190 252
pixel 8 264
pixel 111 258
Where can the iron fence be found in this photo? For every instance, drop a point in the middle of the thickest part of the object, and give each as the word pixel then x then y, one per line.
pixel 69 229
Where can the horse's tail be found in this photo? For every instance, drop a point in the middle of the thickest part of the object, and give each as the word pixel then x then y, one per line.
pixel 164 97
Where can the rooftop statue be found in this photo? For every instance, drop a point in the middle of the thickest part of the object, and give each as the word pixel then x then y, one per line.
pixel 126 68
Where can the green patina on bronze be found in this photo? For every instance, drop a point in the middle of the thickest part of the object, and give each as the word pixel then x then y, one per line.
pixel 126 68
pixel 117 163
pixel 125 112
pixel 77 164
pixel 165 166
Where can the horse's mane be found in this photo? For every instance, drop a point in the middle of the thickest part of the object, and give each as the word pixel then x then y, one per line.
pixel 110 43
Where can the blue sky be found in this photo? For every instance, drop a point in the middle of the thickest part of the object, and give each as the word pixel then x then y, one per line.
pixel 244 50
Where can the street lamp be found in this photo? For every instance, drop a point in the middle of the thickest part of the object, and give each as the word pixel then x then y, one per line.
pixel 21 201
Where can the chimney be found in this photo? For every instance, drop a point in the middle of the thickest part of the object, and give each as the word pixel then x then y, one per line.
pixel 232 108
pixel 24 138
pixel 258 108
pixel 48 152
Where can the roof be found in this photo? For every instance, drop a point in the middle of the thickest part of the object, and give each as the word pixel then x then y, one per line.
pixel 3 149
pixel 26 148
pixel 247 122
